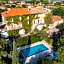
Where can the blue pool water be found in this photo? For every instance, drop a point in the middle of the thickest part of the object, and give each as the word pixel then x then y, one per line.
pixel 33 50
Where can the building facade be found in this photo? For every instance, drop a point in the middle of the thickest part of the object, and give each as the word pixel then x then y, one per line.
pixel 17 18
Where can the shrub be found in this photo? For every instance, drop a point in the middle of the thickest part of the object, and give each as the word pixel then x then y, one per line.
pixel 57 3
pixel 60 26
pixel 13 33
pixel 24 5
pixel 7 6
pixel 13 6
pixel 36 30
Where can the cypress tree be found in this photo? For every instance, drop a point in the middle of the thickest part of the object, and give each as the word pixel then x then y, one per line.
pixel 15 57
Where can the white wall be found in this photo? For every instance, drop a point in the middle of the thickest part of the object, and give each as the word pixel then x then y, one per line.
pixel 58 22
pixel 40 19
pixel 2 18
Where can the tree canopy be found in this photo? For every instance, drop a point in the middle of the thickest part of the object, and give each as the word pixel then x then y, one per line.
pixel 3 52
pixel 58 11
pixel 48 19
pixel 15 57
pixel 60 26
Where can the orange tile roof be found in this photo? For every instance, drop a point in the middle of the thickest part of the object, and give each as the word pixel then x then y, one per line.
pixel 16 11
pixel 56 18
pixel 22 11
pixel 36 10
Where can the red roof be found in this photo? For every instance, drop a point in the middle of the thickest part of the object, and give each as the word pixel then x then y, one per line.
pixel 16 11
pixel 22 11
pixel 36 10
pixel 56 18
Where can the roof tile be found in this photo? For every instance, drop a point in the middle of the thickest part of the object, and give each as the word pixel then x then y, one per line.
pixel 22 11
pixel 56 18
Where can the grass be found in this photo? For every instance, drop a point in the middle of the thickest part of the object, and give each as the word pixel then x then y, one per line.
pixel 24 41
pixel 34 38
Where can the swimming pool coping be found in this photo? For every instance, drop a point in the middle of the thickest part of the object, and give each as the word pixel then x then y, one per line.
pixel 44 53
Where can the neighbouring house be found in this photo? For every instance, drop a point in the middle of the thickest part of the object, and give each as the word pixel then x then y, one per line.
pixel 52 27
pixel 23 2
pixel 15 18
pixel 57 20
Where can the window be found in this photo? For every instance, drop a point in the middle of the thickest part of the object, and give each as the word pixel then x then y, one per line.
pixel 34 21
pixel 20 24
pixel 20 18
pixel 27 22
pixel 12 25
pixel 27 17
pixel 11 19
pixel 38 21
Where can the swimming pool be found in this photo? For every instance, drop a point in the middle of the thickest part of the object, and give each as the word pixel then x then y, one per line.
pixel 33 50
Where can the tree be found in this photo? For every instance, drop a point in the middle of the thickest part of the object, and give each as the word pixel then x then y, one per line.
pixel 60 26
pixel 13 6
pixel 46 2
pixel 57 3
pixel 6 1
pixel 41 0
pixel 61 40
pixel 58 11
pixel 13 33
pixel 24 5
pixel 0 1
pixel 3 52
pixel 48 19
pixel 45 61
pixel 34 1
pixel 15 57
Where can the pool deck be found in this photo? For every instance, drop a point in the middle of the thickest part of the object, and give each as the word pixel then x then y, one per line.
pixel 33 59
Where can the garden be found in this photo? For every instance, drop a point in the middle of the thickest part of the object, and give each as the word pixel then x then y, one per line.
pixel 33 38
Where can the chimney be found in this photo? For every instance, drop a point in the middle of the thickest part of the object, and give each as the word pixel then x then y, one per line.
pixel 29 7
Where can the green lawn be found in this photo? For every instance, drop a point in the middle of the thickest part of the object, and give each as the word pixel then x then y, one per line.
pixel 34 38
pixel 24 41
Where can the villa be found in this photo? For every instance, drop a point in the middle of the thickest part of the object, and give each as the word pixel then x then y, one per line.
pixel 13 18
pixel 52 27
pixel 56 21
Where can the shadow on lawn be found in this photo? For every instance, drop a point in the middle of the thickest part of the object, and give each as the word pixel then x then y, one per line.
pixel 29 40
pixel 25 52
